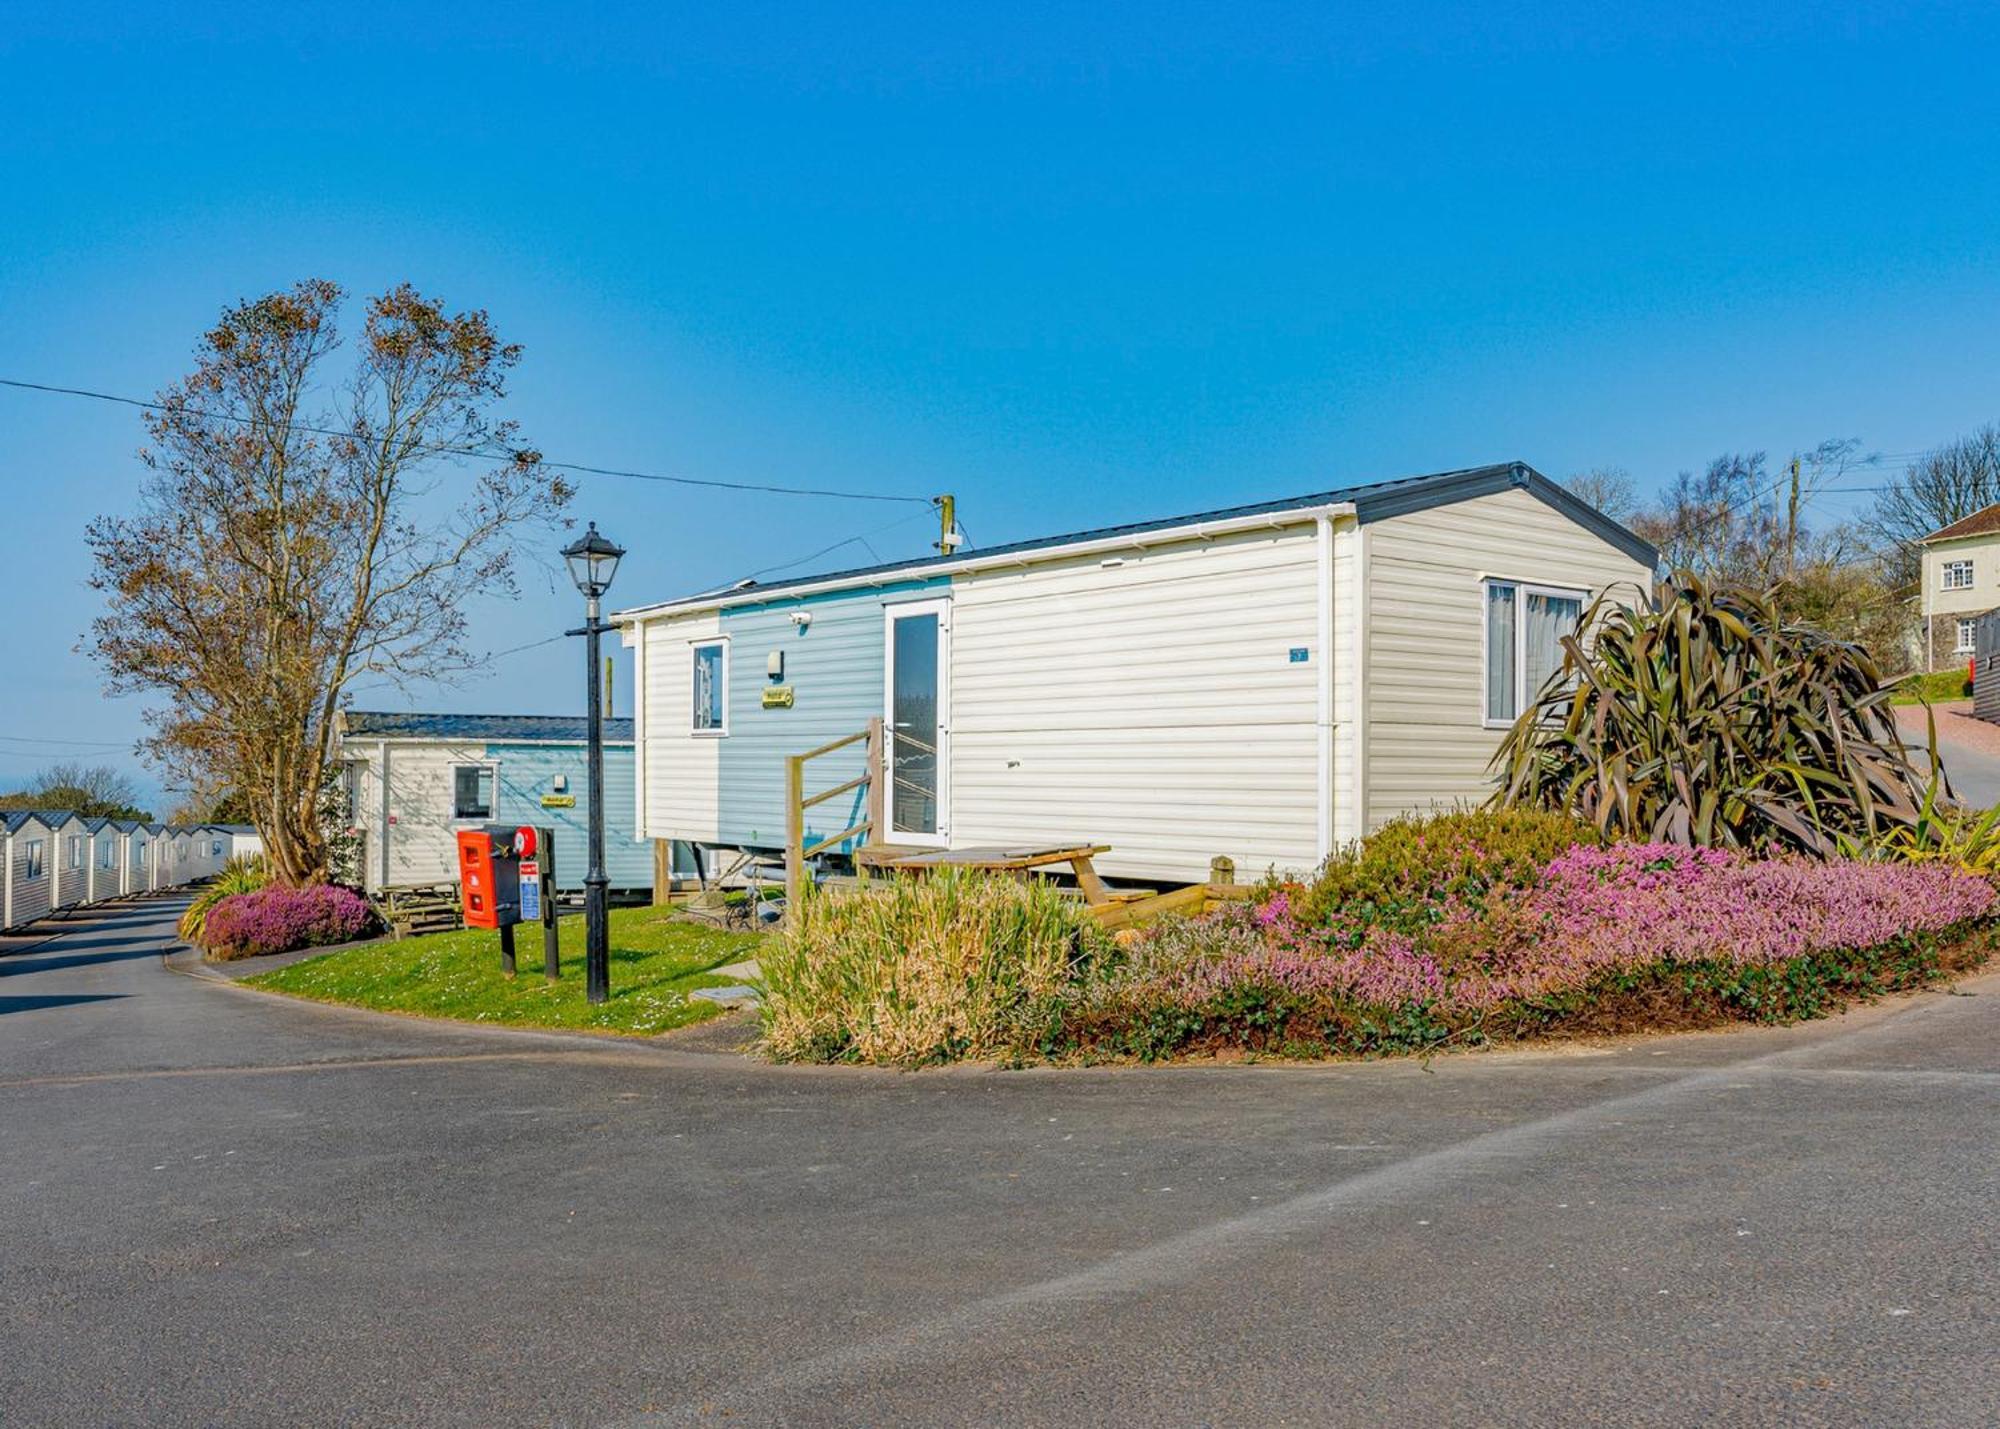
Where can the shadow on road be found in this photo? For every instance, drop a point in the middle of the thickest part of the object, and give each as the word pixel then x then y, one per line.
pixel 37 1004
pixel 19 966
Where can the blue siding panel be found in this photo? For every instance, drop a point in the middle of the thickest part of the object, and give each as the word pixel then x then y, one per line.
pixel 528 771
pixel 834 666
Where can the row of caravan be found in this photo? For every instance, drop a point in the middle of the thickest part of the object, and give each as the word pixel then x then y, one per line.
pixel 52 859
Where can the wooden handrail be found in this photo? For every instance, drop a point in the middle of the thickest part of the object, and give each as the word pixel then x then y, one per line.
pixel 836 791
pixel 797 802
pixel 842 837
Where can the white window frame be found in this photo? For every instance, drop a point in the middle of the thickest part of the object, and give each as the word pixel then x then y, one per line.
pixel 138 852
pixel 492 769
pixel 695 647
pixel 107 853
pixel 1522 590
pixel 34 861
pixel 1968 635
pixel 74 851
pixel 1952 570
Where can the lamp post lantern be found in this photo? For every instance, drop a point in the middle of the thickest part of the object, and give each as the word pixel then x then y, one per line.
pixel 593 561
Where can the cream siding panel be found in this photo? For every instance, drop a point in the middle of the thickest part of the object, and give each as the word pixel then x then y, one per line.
pixel 682 770
pixel 1426 745
pixel 1148 704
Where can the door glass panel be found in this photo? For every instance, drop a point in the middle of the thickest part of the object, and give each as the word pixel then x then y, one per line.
pixel 913 715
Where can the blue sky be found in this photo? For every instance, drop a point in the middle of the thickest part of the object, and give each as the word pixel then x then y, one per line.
pixel 1073 264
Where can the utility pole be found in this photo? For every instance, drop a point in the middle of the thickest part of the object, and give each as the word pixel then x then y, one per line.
pixel 948 540
pixel 1792 527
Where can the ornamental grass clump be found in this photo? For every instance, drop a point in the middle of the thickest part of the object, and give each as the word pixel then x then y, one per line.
pixel 279 920
pixel 917 970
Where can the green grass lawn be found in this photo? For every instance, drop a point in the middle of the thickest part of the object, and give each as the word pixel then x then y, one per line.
pixel 1932 689
pixel 655 964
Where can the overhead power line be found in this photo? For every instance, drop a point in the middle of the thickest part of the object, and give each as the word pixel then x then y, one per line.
pixel 581 468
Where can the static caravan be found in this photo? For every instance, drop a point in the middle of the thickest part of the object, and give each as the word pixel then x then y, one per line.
pixel 155 849
pixel 71 864
pixel 211 850
pixel 239 840
pixel 101 878
pixel 1262 683
pixel 413 780
pixel 120 877
pixel 27 866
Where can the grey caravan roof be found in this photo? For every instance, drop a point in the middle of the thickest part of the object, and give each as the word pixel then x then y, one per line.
pixel 1372 501
pixel 520 729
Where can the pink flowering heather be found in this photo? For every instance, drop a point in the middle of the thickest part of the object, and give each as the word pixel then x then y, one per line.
pixel 1593 910
pixel 277 920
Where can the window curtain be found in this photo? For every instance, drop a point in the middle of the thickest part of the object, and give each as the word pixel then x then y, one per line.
pixel 1500 630
pixel 1550 617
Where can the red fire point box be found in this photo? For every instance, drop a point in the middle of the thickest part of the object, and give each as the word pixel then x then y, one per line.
pixel 489 876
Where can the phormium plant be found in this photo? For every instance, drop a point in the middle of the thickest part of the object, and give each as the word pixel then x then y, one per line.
pixel 1711 721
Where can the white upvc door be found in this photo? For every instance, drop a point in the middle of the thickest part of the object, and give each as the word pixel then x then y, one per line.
pixel 916 721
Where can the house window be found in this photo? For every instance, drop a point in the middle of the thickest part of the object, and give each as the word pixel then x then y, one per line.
pixel 711 688
pixel 1968 631
pixel 31 855
pixel 1525 625
pixel 1958 575
pixel 472 791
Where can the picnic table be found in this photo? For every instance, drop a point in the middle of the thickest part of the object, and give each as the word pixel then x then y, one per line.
pixel 1019 859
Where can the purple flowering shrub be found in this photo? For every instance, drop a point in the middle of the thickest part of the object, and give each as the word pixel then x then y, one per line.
pixel 277 920
pixel 1665 932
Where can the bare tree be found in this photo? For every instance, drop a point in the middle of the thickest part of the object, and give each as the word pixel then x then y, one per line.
pixel 1609 488
pixel 1944 485
pixel 292 539
pixel 96 791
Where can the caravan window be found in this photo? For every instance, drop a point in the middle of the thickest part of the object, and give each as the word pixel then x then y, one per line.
pixel 1525 625
pixel 76 850
pixel 31 855
pixel 107 853
pixel 472 791
pixel 711 688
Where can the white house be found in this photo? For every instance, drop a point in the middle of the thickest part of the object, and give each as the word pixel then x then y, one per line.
pixel 1265 682
pixel 27 864
pixel 1960 583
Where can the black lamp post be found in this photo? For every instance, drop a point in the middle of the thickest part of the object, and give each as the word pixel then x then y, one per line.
pixel 593 561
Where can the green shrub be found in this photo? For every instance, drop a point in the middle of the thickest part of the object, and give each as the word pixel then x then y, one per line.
pixel 1713 722
pixel 920 970
pixel 245 873
pixel 1412 866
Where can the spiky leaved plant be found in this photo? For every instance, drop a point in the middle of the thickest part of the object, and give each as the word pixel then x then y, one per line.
pixel 1710 720
pixel 244 873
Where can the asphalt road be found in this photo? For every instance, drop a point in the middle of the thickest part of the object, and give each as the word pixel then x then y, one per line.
pixel 221 1208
